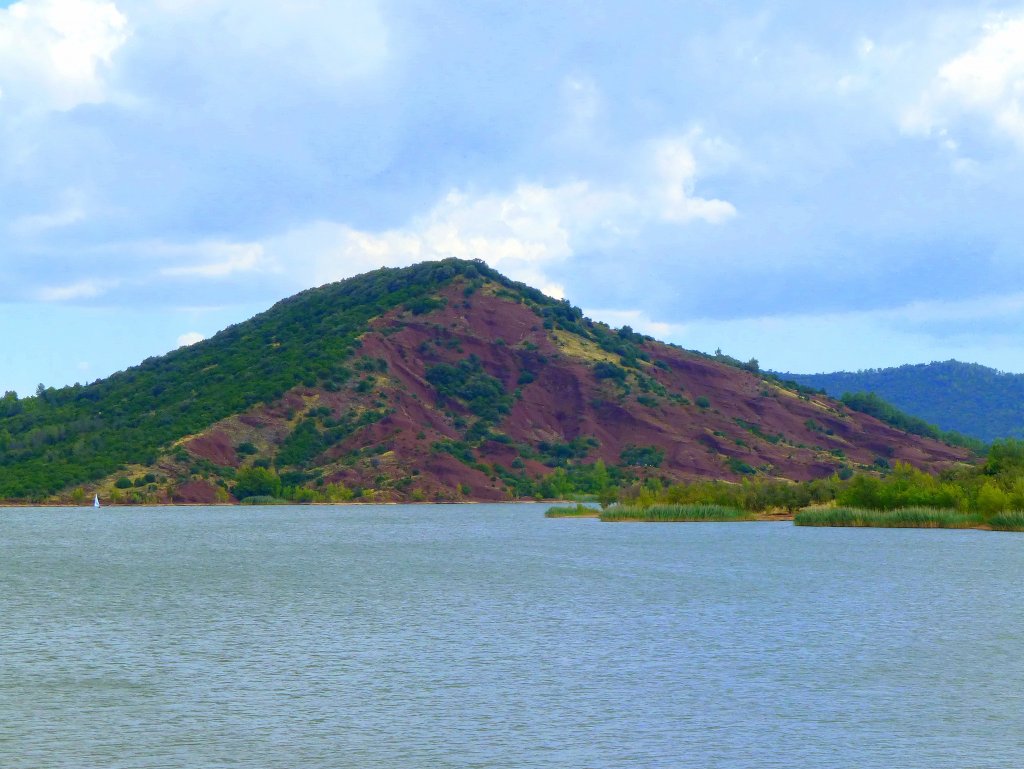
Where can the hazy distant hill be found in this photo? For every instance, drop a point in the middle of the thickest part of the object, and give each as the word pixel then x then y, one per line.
pixel 966 397
pixel 440 381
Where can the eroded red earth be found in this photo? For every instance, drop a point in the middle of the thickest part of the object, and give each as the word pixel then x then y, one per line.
pixel 753 422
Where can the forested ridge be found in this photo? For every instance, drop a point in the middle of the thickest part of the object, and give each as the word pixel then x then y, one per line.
pixel 964 397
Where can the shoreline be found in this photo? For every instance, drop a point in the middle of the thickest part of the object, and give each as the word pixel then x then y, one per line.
pixel 116 506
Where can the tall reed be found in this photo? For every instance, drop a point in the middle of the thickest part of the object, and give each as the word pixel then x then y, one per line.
pixel 576 511
pixel 1012 520
pixel 903 518
pixel 675 513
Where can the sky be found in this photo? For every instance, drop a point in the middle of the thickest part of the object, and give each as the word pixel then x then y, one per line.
pixel 819 186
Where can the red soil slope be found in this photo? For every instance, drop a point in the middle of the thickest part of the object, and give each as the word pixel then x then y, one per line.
pixel 748 423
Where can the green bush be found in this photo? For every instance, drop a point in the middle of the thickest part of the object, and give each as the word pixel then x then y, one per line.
pixel 606 370
pixel 642 456
pixel 256 482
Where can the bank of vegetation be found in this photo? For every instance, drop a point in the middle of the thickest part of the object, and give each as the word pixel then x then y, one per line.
pixel 572 511
pixel 988 495
pixel 902 518
pixel 675 513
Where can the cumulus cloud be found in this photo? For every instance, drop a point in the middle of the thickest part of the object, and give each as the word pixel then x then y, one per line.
pixel 54 54
pixel 986 81
pixel 190 338
pixel 640 321
pixel 677 168
pixel 521 232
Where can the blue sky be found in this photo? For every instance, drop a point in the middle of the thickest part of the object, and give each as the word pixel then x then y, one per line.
pixel 818 186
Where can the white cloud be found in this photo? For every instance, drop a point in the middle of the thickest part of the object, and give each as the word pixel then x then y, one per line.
pixel 214 259
pixel 190 338
pixel 521 232
pixel 986 80
pixel 677 168
pixel 639 321
pixel 54 53
pixel 84 289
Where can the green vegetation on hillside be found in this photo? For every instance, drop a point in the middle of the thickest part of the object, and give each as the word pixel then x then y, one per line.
pixel 308 361
pixel 467 382
pixel 869 403
pixel 964 397
pixel 73 435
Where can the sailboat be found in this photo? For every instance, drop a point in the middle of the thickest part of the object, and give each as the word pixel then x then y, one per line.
pixel 95 500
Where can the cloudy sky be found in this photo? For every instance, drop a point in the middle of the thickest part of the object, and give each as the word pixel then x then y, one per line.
pixel 819 186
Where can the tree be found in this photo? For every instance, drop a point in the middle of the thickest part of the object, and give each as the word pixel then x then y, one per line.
pixel 257 482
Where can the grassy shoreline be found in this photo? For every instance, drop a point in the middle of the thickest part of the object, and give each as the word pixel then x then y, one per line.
pixel 849 517
pixel 902 518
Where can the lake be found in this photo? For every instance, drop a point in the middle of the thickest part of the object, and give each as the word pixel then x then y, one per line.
pixel 488 636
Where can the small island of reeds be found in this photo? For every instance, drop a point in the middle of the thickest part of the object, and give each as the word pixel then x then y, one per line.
pixel 572 511
pixel 675 513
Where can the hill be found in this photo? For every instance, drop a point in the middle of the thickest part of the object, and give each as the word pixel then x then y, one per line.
pixel 440 381
pixel 966 397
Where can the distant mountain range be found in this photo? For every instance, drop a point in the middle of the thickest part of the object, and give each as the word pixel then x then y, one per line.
pixel 966 397
pixel 442 381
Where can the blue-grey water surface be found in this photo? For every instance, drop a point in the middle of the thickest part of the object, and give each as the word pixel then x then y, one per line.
pixel 487 636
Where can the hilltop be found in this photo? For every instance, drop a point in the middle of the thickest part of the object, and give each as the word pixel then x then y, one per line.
pixel 966 397
pixel 441 381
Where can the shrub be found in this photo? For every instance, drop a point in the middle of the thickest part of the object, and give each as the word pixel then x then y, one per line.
pixel 642 456
pixel 257 482
pixel 606 370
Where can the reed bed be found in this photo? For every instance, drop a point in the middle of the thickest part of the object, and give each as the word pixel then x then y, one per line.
pixel 903 518
pixel 572 511
pixel 1011 520
pixel 676 513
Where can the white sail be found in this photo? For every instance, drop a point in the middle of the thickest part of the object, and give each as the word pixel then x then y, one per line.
pixel 95 500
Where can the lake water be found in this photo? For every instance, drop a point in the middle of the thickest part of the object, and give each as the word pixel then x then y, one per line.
pixel 487 636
